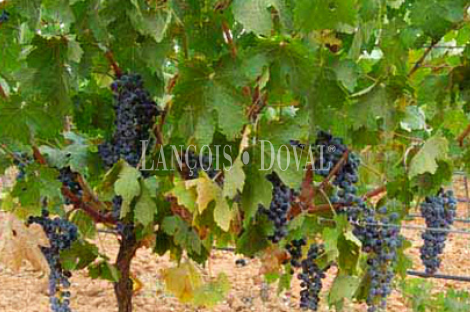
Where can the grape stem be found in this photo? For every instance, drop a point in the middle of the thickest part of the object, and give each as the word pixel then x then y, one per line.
pixel 335 170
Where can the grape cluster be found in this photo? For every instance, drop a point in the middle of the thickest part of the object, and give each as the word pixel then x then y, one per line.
pixel 311 278
pixel 61 235
pixel 439 212
pixel 135 115
pixel 282 197
pixel 69 180
pixel 379 233
pixel 195 163
pixel 330 150
pixel 295 251
pixel 4 17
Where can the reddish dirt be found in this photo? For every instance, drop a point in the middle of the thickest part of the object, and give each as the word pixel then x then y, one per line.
pixel 26 291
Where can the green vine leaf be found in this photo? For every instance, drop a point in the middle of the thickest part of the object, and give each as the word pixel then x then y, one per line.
pixel 434 149
pixel 128 187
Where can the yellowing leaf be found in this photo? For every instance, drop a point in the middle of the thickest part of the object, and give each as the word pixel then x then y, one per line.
pixel 206 192
pixel 185 195
pixel 182 281
pixel 209 191
pixel 18 243
pixel 425 160
pixel 222 214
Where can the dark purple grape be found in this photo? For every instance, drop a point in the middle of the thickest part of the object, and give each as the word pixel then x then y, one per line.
pixel 135 116
pixel 439 213
pixel 61 234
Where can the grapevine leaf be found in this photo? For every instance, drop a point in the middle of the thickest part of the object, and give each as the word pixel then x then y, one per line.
pixel 425 160
pixel 182 281
pixel 212 293
pixel 20 121
pixel 74 155
pixel 436 17
pixel 328 14
pixel 414 119
pixel 344 287
pixel 234 179
pixel 222 213
pixel 145 207
pixel 18 243
pixel 455 121
pixel 349 252
pixel 51 79
pixel 257 190
pixel 127 186
pixel 209 191
pixel 149 22
pixel 201 90
pixel 186 196
pixel 79 256
pixel 370 107
pixel 84 223
pixel 104 270
pixel 206 192
pixel 331 237
pixel 252 241
pixel 404 263
pixel 183 235
pixel 255 15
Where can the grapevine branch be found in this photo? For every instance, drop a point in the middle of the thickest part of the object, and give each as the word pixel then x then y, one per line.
pixel 3 93
pixel 91 209
pixel 110 57
pixel 421 60
pixel 88 209
pixel 229 38
pixel 463 135
pixel 375 192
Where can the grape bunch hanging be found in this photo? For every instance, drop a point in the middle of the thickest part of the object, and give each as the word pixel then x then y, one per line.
pixel 311 277
pixel 439 212
pixel 61 234
pixel 380 235
pixel 135 116
pixel 282 199
pixel 330 151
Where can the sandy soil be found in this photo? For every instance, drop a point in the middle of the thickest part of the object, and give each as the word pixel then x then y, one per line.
pixel 26 291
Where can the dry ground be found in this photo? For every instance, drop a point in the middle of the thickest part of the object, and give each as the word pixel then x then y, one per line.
pixel 26 291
